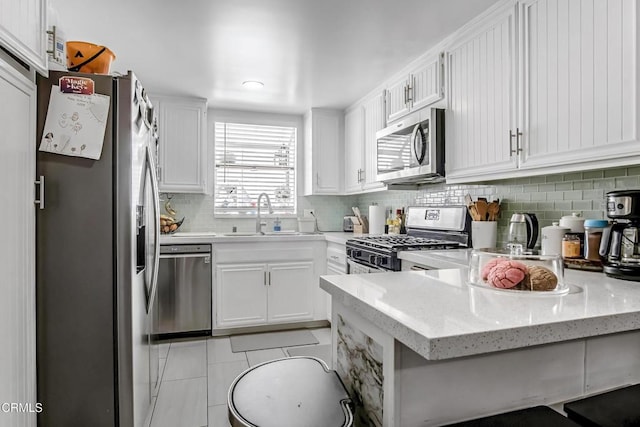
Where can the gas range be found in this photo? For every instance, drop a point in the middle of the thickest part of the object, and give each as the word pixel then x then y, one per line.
pixel 428 228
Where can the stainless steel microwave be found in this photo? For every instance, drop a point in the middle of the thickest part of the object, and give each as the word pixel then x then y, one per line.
pixel 412 150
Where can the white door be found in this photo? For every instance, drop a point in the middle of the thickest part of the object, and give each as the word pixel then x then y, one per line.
pixel 579 81
pixel 426 83
pixel 17 252
pixel 397 99
pixel 374 120
pixel 481 111
pixel 291 291
pixel 354 150
pixel 327 150
pixel 182 144
pixel 23 32
pixel 241 295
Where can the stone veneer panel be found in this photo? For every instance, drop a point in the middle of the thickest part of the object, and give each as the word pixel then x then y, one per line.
pixel 360 368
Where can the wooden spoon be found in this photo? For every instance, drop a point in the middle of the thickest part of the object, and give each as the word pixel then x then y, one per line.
pixel 494 210
pixel 482 209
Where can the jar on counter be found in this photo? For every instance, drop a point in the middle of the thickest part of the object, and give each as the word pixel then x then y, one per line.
pixel 593 235
pixel 571 246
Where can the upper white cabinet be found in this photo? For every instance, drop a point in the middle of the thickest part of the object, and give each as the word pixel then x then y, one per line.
pixel 354 149
pixel 579 76
pixel 361 122
pixel 18 253
pixel 374 120
pixel 421 87
pixel 23 31
pixel 182 144
pixel 480 118
pixel 543 86
pixel 323 151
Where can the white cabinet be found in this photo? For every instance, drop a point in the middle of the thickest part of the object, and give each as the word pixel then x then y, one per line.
pixel 354 149
pixel 481 110
pixel 182 144
pixel 544 87
pixel 421 87
pixel 261 283
pixel 17 253
pixel 23 31
pixel 323 152
pixel 361 123
pixel 241 297
pixel 259 294
pixel 374 120
pixel 579 81
pixel 290 294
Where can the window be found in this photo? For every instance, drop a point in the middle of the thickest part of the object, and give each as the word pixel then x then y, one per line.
pixel 254 159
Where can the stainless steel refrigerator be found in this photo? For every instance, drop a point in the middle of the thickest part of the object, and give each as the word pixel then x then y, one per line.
pixel 97 227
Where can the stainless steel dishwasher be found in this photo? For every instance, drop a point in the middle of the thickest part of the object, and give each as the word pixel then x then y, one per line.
pixel 184 290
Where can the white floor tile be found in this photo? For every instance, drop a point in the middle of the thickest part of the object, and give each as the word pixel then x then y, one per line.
pixel 259 356
pixel 164 349
pixel 220 376
pixel 219 416
pixel 181 403
pixel 219 350
pixel 323 335
pixel 186 360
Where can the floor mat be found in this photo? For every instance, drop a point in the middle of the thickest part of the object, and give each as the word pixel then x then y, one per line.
pixel 322 352
pixel 265 340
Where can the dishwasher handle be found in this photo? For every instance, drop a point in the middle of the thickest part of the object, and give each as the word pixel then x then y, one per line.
pixel 206 256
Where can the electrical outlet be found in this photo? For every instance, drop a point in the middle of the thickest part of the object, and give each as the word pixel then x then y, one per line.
pixel 309 213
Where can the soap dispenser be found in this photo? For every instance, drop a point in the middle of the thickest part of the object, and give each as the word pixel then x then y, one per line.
pixel 276 225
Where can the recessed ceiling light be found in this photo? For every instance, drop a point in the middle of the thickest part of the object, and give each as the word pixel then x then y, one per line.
pixel 252 84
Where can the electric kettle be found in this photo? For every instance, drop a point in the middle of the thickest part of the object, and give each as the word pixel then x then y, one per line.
pixel 523 229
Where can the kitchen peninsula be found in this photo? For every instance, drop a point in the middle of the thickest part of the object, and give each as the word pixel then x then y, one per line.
pixel 424 348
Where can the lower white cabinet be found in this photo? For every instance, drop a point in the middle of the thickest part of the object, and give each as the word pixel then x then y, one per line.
pixel 268 283
pixel 258 294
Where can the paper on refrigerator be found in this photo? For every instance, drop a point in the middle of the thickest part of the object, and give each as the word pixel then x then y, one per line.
pixel 75 124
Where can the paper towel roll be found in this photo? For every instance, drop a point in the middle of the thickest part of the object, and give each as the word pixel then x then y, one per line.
pixel 376 219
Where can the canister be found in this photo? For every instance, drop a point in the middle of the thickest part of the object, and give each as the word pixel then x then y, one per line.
pixel 593 235
pixel 574 221
pixel 552 239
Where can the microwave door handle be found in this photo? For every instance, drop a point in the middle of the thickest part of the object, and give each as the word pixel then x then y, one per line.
pixel 419 144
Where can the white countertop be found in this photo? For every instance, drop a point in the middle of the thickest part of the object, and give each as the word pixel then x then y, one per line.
pixel 438 315
pixel 212 237
pixel 188 237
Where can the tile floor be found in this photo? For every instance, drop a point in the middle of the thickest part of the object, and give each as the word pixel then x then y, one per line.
pixel 196 375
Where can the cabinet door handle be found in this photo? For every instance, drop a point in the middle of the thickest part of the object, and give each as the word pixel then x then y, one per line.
pixel 518 135
pixel 265 278
pixel 334 257
pixel 405 93
pixel 511 150
pixel 40 202
pixel 317 179
pixel 269 278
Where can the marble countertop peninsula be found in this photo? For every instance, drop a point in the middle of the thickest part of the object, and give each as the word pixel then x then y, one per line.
pixel 438 315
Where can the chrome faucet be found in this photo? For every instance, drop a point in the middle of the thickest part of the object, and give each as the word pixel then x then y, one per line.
pixel 259 223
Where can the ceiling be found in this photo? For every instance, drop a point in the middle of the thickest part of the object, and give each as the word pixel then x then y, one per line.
pixel 308 53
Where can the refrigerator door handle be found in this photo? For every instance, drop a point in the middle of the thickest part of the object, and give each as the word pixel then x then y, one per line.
pixel 156 217
pixel 40 202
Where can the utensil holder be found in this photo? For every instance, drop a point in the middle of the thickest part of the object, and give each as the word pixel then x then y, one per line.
pixel 484 234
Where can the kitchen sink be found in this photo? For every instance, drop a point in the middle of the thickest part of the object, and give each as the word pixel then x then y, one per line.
pixel 240 234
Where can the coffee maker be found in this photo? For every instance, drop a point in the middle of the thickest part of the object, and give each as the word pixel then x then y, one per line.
pixel 620 247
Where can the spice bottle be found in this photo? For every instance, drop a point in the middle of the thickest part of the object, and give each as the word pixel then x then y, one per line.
pixel 571 246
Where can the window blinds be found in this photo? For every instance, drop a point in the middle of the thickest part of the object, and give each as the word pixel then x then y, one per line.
pixel 253 159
